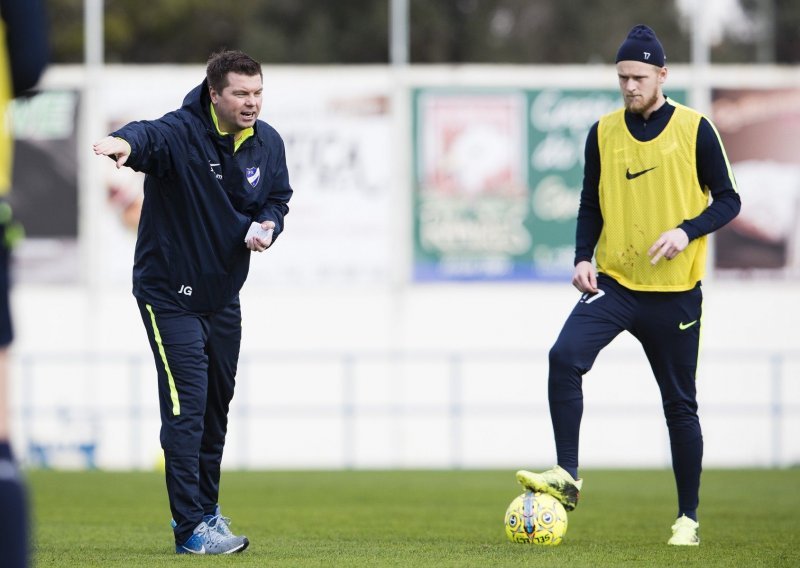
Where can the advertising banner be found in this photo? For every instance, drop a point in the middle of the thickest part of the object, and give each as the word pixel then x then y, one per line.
pixel 44 188
pixel 339 153
pixel 497 180
pixel 471 186
pixel 761 130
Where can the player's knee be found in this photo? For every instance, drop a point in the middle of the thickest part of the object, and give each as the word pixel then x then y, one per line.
pixel 682 419
pixel 563 358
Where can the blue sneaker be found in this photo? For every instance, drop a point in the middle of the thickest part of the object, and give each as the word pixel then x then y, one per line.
pixel 207 540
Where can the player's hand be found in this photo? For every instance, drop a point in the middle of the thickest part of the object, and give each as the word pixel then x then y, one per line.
pixel 116 148
pixel 584 278
pixel 257 244
pixel 669 245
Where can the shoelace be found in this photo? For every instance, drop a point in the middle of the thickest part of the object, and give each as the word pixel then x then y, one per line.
pixel 221 527
pixel 210 535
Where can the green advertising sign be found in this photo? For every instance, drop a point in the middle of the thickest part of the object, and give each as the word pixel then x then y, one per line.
pixel 497 180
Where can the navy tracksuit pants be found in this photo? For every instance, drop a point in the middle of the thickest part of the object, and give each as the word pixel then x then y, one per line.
pixel 14 543
pixel 196 357
pixel 667 324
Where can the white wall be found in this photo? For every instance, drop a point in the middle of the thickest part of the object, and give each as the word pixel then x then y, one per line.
pixel 383 373
pixel 298 403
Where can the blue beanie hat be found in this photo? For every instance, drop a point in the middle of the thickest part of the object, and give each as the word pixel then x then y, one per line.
pixel 642 45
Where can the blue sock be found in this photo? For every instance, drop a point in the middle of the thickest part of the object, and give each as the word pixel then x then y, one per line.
pixel 573 471
pixel 14 536
pixel 686 463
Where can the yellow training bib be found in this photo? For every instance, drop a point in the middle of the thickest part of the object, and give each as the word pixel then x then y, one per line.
pixel 647 188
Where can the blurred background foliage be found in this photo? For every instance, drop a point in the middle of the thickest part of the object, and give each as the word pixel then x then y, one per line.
pixel 441 31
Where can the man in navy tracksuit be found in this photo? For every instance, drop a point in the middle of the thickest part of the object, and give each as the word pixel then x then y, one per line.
pixel 216 188
pixel 644 216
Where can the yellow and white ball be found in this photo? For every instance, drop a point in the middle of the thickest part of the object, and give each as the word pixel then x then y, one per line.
pixel 536 518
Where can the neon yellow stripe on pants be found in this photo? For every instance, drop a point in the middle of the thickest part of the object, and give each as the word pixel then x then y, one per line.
pixel 173 392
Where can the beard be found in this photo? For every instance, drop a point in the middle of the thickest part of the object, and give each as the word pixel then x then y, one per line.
pixel 641 104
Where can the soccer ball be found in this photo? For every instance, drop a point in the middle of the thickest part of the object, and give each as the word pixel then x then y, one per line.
pixel 536 518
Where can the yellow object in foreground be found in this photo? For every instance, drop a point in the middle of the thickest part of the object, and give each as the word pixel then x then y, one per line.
pixel 536 518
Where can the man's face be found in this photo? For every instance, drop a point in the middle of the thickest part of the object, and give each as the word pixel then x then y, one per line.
pixel 640 84
pixel 239 103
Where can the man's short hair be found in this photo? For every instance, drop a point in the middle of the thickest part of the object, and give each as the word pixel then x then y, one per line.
pixel 223 62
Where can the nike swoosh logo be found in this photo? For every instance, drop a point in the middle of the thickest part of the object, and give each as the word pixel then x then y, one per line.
pixel 201 551
pixel 629 175
pixel 683 326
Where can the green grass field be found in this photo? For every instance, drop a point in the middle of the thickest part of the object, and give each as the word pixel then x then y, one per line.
pixel 416 518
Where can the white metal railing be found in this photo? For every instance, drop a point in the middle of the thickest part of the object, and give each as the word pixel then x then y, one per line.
pixel 100 409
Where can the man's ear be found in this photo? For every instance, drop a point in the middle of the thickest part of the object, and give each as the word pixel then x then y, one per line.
pixel 213 94
pixel 662 75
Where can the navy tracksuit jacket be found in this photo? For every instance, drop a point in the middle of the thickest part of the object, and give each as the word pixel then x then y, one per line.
pixel 190 264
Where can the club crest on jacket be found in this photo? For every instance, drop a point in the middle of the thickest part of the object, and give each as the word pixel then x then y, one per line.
pixel 253 175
